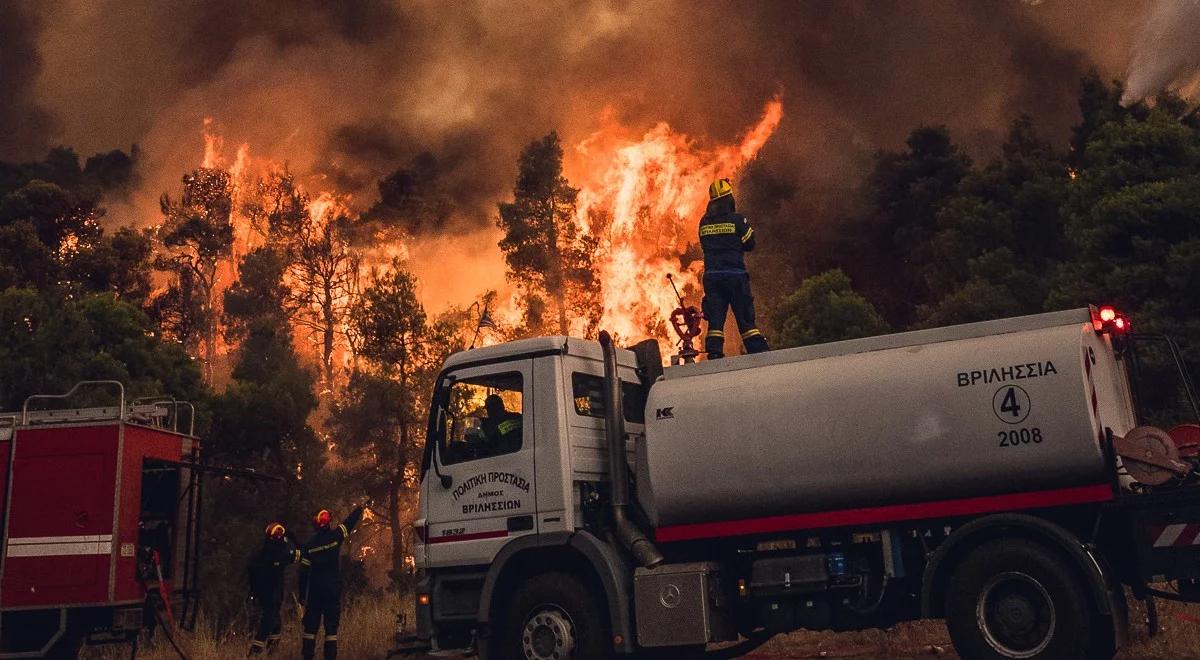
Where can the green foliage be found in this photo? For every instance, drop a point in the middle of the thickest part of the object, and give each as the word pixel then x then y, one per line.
pixel 118 263
pixel 380 421
pixel 196 234
pixel 826 308
pixel 1134 226
pixel 48 343
pixel 546 255
pixel 392 321
pixel 261 421
pixel 56 214
pixel 908 190
pixel 259 296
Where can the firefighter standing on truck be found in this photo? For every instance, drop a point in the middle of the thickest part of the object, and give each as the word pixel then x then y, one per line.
pixel 320 586
pixel 266 584
pixel 725 236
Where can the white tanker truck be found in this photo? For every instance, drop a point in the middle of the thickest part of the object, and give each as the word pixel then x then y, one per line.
pixel 1000 475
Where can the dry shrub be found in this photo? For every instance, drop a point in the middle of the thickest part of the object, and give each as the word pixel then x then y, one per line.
pixel 367 630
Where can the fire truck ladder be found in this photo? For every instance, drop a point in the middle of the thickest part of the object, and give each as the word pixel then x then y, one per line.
pixel 162 412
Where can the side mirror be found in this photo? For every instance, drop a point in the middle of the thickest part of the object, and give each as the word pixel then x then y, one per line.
pixel 445 479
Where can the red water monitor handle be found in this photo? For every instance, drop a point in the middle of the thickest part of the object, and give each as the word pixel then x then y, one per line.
pixel 686 321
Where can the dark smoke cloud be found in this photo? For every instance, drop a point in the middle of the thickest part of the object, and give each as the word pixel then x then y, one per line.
pixel 25 127
pixel 1167 52
pixel 352 90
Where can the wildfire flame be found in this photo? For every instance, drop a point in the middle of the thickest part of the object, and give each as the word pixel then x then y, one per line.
pixel 643 198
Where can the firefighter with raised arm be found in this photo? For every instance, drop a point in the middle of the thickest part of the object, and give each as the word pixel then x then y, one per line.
pixel 267 569
pixel 725 237
pixel 320 585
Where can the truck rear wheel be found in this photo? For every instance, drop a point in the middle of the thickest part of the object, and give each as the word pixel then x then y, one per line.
pixel 553 616
pixel 1016 599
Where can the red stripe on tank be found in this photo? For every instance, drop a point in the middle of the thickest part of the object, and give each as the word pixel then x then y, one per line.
pixel 1038 499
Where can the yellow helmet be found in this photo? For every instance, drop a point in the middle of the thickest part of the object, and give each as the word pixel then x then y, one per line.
pixel 719 188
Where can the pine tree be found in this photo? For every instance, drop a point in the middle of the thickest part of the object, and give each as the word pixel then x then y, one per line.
pixel 547 256
pixel 197 234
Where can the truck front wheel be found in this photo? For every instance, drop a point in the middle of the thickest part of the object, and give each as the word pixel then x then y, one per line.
pixel 1012 598
pixel 553 616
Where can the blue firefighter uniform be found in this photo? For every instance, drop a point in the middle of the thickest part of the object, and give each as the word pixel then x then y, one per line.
pixel 725 237
pixel 266 584
pixel 320 585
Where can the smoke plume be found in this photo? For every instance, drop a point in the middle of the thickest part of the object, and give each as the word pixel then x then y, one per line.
pixel 25 127
pixel 1167 52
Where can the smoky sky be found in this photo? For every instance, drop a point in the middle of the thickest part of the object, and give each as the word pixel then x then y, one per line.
pixel 349 91
pixel 24 124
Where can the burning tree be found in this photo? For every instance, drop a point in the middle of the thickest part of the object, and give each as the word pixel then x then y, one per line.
pixel 325 272
pixel 321 269
pixel 547 254
pixel 380 422
pixel 196 235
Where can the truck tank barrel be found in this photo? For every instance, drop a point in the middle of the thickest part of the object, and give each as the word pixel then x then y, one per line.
pixel 968 411
pixel 633 538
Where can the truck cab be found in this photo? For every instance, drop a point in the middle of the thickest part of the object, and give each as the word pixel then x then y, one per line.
pixel 491 486
pixel 536 539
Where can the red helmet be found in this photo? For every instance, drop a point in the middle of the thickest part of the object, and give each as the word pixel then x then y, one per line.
pixel 322 519
pixel 275 531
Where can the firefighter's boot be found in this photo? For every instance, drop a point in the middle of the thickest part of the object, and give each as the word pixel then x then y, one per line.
pixel 331 647
pixel 714 344
pixel 754 341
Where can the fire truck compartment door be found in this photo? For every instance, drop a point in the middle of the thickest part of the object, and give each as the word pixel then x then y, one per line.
pixel 60 529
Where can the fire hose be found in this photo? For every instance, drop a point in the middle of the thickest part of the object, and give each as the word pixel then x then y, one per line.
pixel 164 594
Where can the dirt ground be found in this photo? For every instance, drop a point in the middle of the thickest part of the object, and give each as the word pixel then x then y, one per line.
pixel 1179 637
pixel 368 628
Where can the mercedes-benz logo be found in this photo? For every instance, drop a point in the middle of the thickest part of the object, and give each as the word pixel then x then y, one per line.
pixel 670 596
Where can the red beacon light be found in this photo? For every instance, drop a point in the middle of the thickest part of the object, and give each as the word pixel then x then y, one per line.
pixel 1108 319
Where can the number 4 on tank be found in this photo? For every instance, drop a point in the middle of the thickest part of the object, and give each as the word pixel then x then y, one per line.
pixel 1011 404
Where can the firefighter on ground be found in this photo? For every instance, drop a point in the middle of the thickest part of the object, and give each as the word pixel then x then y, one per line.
pixel 725 236
pixel 501 428
pixel 320 586
pixel 267 570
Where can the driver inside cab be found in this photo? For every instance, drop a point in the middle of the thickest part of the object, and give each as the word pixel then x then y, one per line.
pixel 501 428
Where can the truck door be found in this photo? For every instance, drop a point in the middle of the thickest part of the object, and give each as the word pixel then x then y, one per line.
pixel 483 443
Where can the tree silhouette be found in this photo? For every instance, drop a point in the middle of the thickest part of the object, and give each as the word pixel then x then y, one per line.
pixel 196 234
pixel 546 255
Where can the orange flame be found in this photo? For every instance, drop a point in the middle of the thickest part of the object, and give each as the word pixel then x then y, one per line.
pixel 643 199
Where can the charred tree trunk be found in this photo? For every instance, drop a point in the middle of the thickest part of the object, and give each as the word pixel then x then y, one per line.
pixel 327 330
pixel 398 548
pixel 556 281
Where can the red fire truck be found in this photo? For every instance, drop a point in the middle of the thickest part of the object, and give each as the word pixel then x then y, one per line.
pixel 99 519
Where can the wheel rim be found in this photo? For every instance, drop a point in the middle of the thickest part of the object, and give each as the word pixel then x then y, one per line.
pixel 1016 615
pixel 549 634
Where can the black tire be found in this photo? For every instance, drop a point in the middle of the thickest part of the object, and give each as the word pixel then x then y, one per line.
pixel 547 612
pixel 1012 598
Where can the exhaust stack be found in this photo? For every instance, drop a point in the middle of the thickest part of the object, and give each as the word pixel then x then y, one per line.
pixel 627 532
